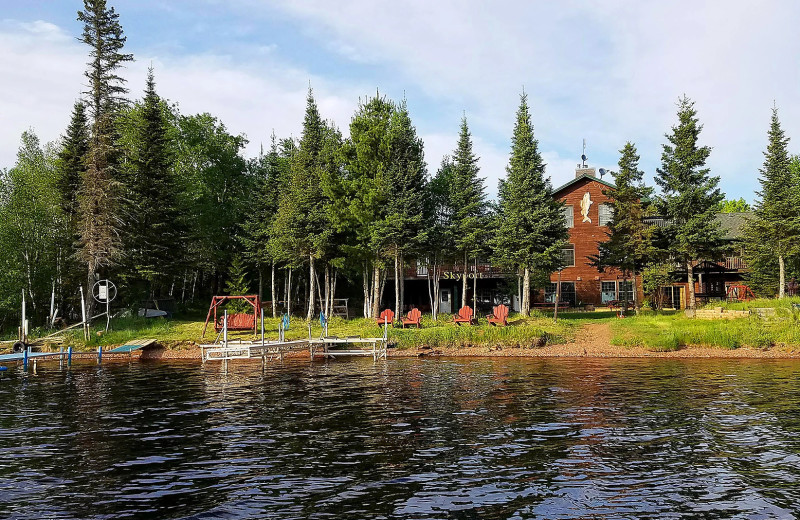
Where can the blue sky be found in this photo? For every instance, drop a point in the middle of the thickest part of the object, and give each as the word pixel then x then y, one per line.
pixel 605 71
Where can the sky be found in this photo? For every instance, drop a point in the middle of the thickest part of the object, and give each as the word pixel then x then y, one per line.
pixel 607 72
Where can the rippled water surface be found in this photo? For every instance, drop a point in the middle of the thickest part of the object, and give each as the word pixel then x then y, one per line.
pixel 485 438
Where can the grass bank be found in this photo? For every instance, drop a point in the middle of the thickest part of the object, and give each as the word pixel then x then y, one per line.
pixel 672 331
pixel 535 331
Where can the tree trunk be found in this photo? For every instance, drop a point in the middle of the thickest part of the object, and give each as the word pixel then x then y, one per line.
pixel 625 287
pixel 366 287
pixel 475 289
pixel 333 290
pixel 464 283
pixel 690 279
pixel 398 310
pixel 525 304
pixel 272 293
pixel 327 304
pixel 260 285
pixel 376 289
pixel 289 291
pixel 312 275
pixel 402 282
pixel 383 286
pixel 781 277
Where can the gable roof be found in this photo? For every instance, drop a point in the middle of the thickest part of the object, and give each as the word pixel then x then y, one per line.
pixel 580 178
pixel 732 224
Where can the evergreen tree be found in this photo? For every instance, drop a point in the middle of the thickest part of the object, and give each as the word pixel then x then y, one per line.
pixel 154 231
pixel 270 175
pixel 71 163
pixel 237 285
pixel 774 230
pixel 301 224
pixel 99 228
pixel 470 209
pixel 690 195
pixel 630 240
pixel 530 231
pixel 404 213
pixel 367 156
pixel 70 171
pixel 438 240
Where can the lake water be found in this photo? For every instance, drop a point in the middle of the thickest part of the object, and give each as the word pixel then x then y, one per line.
pixel 412 438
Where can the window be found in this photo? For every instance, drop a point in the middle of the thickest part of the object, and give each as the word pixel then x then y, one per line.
pixel 625 290
pixel 608 291
pixel 605 214
pixel 567 292
pixel 569 218
pixel 568 256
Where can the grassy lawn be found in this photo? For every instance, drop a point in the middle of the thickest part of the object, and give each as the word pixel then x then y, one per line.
pixel 672 330
pixel 536 330
pixel 664 331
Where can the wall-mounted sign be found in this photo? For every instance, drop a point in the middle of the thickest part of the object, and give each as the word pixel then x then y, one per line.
pixel 586 203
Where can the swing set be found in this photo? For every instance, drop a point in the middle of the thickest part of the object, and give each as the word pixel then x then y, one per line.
pixel 237 320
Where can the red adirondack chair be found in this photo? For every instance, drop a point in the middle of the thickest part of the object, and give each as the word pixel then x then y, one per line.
pixel 499 316
pixel 414 317
pixel 464 316
pixel 386 317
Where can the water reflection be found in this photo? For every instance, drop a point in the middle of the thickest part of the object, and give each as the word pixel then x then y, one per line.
pixel 482 438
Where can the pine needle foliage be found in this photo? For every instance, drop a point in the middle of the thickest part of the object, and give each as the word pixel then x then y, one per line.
pixel 773 234
pixel 530 231
pixel 690 195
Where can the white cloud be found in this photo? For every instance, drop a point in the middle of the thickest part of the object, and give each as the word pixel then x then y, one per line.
pixel 42 69
pixel 609 72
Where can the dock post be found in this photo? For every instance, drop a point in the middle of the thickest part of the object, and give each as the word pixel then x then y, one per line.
pixel 225 329
pixel 69 355
pixel 262 327
pixel 25 358
pixel 99 355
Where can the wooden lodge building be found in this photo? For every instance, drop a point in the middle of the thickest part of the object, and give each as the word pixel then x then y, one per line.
pixel 587 213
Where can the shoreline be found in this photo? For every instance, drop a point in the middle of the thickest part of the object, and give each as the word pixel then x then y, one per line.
pixel 564 350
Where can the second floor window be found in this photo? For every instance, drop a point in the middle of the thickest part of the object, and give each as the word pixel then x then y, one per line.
pixel 568 256
pixel 605 214
pixel 568 216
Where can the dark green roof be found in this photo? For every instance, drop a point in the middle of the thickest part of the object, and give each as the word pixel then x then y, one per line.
pixel 584 176
pixel 732 224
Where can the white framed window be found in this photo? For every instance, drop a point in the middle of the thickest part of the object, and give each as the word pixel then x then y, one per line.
pixel 605 214
pixel 625 289
pixel 608 291
pixel 568 256
pixel 569 216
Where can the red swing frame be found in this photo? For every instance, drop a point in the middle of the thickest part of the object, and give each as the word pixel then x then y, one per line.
pixel 236 321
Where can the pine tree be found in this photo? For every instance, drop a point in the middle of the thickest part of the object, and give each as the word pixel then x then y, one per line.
pixel 630 240
pixel 367 155
pixel 530 231
pixel 438 241
pixel 302 223
pixel 470 209
pixel 237 285
pixel 154 230
pixel 99 220
pixel 71 163
pixel 690 195
pixel 403 224
pixel 776 222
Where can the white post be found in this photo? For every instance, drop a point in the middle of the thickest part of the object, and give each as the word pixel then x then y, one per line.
pixel 225 330
pixel 53 306
pixel 83 315
pixel 24 328
pixel 262 326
